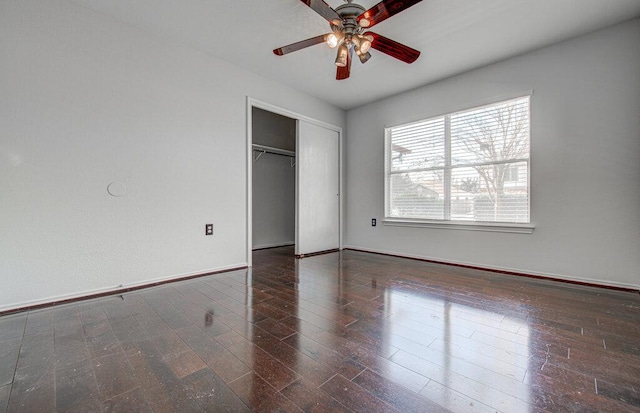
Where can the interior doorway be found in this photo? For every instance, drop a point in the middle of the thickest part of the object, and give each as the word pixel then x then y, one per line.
pixel 273 179
pixel 294 181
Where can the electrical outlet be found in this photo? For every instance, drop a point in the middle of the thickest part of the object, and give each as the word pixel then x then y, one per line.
pixel 208 229
pixel 373 222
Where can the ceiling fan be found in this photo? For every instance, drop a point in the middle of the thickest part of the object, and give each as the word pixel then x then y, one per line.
pixel 349 23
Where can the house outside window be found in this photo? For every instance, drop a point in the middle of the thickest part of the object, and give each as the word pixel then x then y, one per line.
pixel 470 166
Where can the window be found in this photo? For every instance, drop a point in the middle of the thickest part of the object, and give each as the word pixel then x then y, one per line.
pixel 511 174
pixel 464 167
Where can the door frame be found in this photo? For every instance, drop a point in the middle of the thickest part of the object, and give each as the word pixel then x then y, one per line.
pixel 251 103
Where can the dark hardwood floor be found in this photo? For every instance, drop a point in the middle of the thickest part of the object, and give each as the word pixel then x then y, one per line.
pixel 347 331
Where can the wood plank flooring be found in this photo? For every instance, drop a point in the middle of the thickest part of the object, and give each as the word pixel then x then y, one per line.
pixel 345 331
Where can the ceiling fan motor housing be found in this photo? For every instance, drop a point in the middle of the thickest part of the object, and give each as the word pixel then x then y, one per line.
pixel 349 24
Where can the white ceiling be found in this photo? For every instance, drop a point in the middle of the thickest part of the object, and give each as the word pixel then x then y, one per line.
pixel 454 36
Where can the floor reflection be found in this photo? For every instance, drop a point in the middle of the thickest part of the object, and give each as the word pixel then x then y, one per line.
pixel 404 327
pixel 464 350
pixel 336 332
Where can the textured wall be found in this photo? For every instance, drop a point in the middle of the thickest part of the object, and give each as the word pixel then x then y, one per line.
pixel 86 101
pixel 585 162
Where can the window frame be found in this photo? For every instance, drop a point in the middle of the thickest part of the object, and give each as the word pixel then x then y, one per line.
pixel 511 227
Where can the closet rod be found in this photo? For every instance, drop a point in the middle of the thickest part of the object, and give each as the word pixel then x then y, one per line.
pixel 272 150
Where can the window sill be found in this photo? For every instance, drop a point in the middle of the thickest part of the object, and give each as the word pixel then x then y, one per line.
pixel 466 226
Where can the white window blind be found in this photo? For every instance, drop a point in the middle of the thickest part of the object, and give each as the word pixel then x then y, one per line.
pixel 468 166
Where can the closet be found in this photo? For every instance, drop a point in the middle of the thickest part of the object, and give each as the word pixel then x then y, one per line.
pixel 273 179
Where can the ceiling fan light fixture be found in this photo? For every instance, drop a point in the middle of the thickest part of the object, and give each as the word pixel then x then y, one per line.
pixel 332 40
pixel 355 40
pixel 364 57
pixel 364 22
pixel 364 43
pixel 341 58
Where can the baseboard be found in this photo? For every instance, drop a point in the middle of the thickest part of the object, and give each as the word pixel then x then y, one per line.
pixel 509 271
pixel 313 254
pixel 103 292
pixel 266 246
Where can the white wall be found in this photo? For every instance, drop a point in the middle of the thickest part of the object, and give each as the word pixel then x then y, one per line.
pixel 274 181
pixel 86 101
pixel 585 162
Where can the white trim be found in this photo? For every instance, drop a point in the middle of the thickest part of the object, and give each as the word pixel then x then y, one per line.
pixel 116 289
pixel 551 276
pixel 251 103
pixel 296 246
pixel 387 168
pixel 461 225
pixel 249 160
pixel 286 112
pixel 456 166
pixel 447 168
pixel 477 105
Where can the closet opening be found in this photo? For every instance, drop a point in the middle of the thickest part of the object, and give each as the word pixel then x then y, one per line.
pixel 273 179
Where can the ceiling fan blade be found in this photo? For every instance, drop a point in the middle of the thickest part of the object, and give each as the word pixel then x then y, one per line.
pixel 384 10
pixel 323 9
pixel 393 48
pixel 344 72
pixel 294 47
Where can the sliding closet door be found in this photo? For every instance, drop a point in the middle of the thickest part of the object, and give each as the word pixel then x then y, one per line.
pixel 317 189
